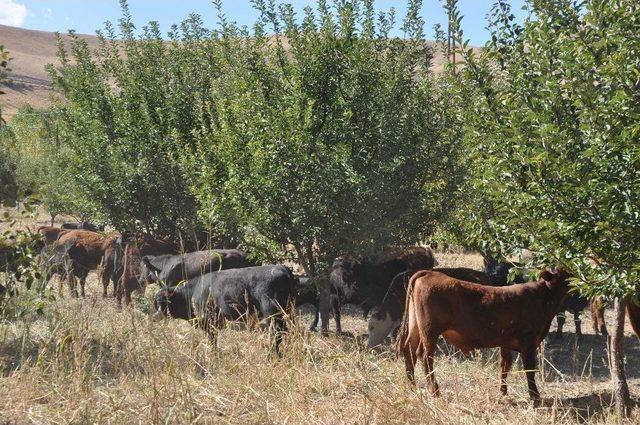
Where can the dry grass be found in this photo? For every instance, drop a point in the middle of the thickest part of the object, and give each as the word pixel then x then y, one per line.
pixel 87 362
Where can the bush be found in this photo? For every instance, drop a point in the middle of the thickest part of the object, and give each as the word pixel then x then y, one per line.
pixel 132 108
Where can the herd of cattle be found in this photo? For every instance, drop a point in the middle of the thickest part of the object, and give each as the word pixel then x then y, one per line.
pixel 406 296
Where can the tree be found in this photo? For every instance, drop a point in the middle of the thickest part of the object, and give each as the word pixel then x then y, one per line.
pixel 556 119
pixel 132 108
pixel 327 134
pixel 8 186
pixel 39 161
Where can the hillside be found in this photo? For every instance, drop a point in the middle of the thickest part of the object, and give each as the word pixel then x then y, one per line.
pixel 31 52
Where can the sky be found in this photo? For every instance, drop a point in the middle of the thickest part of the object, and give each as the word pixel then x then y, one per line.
pixel 86 16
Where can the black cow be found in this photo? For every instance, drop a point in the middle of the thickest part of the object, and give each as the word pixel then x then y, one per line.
pixel 574 303
pixel 498 272
pixel 365 283
pixel 173 269
pixel 84 225
pixel 233 294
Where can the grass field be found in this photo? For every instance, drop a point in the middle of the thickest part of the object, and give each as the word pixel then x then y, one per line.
pixel 88 362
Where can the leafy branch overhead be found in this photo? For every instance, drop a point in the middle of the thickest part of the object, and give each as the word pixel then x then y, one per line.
pixel 315 134
pixel 555 115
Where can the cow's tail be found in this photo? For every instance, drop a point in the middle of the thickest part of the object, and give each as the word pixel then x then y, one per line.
pixel 403 333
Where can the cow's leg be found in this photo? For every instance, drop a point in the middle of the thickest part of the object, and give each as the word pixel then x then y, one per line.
pixel 71 283
pixel 506 361
pixel 104 274
pixel 430 345
pixel 578 323
pixel 280 327
pixel 529 363
pixel 114 280
pixel 410 355
pixel 335 303
pixel 316 319
pixel 561 319
pixel 118 293
pixel 83 280
pixel 597 316
pixel 602 325
pixel 106 279
pixel 127 296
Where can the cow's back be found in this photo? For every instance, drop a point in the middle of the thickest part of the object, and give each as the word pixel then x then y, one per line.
pixel 486 316
pixel 266 289
pixel 84 247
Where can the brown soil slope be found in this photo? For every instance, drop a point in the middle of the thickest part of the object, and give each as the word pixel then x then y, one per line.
pixel 31 51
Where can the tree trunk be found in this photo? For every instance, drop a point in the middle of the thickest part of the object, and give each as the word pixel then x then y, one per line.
pixel 308 263
pixel 616 349
pixel 324 298
pixel 324 292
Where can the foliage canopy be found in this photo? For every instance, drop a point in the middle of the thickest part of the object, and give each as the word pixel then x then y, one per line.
pixel 326 133
pixel 556 119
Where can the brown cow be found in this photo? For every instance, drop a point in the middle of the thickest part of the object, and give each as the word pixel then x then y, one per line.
pixel 85 251
pixel 471 316
pixel 634 316
pixel 387 316
pixel 133 251
pixel 596 307
pixel 50 234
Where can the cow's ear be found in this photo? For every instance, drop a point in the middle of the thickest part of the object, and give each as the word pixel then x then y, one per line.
pixel 546 275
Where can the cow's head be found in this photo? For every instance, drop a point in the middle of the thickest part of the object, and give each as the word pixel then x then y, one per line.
pixel 380 325
pixel 148 271
pixel 170 302
pixel 346 275
pixel 557 278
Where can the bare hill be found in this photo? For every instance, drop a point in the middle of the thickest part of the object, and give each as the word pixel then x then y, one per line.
pixel 31 51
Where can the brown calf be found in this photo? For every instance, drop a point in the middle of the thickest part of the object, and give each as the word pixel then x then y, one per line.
pixel 130 280
pixel 49 234
pixel 596 307
pixel 85 250
pixel 471 316
pixel 387 316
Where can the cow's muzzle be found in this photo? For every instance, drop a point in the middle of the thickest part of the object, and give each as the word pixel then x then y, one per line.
pixel 158 316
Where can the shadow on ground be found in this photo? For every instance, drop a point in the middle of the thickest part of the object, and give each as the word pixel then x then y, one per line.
pixel 567 357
